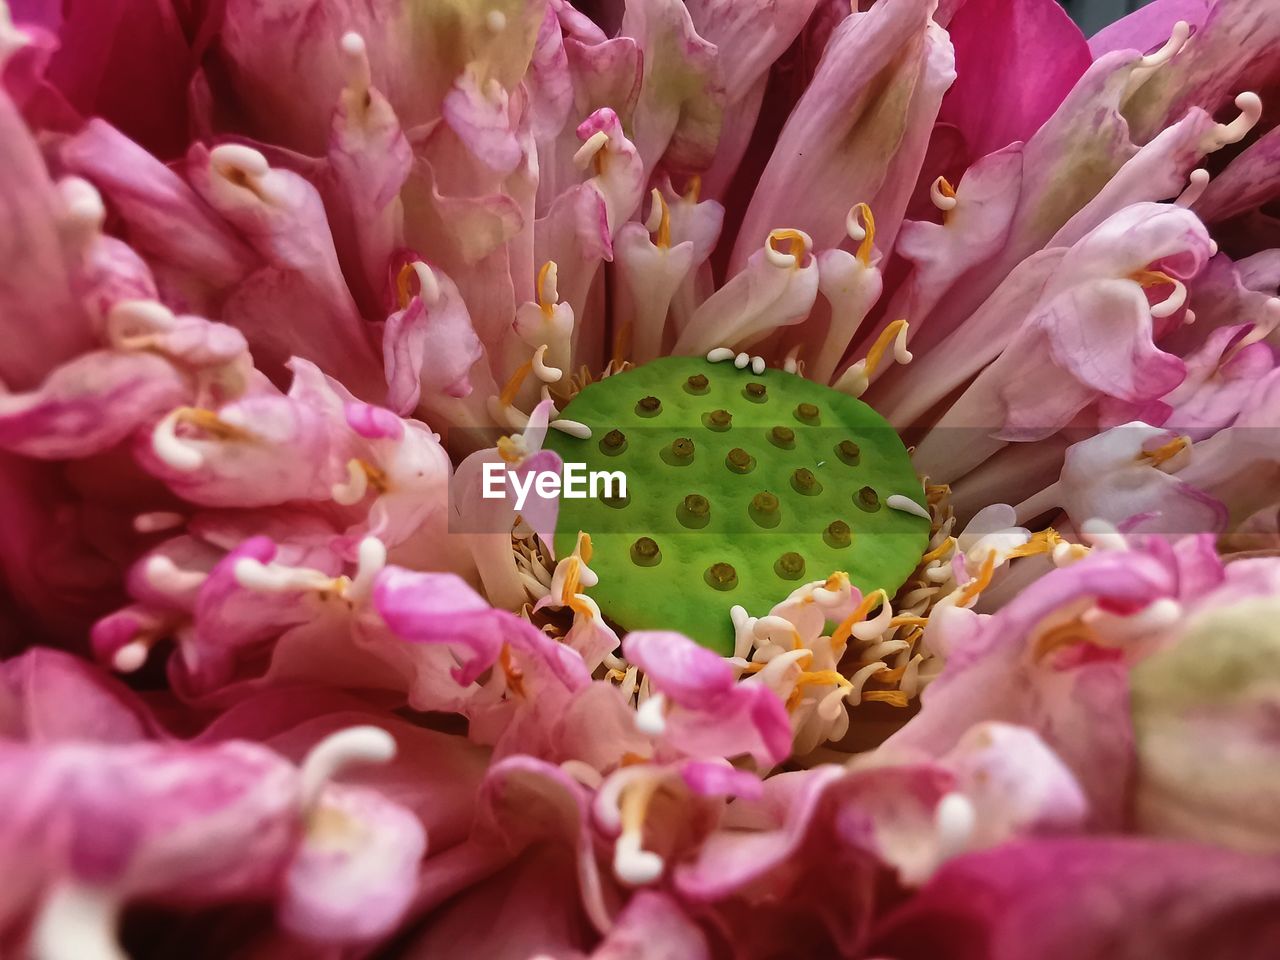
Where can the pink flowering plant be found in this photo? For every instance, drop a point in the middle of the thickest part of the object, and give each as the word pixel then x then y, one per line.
pixel 282 281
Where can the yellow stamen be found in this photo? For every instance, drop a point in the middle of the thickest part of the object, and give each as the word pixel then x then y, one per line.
pixel 979 583
pixel 793 239
pixel 829 678
pixel 508 394
pixel 1166 452
pixel 869 227
pixel 377 478
pixel 938 552
pixel 945 188
pixel 1041 542
pixel 1151 278
pixel 1063 635
pixel 402 285
pixel 512 671
pixel 210 423
pixel 583 547
pixel 872 600
pixel 906 620
pixel 546 302
pixel 509 450
pixel 894 698
pixel 936 492
pixel 663 237
pixel 887 336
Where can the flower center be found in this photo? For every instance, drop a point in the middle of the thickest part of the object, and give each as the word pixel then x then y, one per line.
pixel 739 483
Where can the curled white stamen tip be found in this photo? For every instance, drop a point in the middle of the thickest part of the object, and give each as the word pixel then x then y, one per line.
pixel 954 820
pixel 76 922
pixel 549 292
pixel 353 44
pixel 655 211
pixel 757 365
pixel 1189 317
pixel 940 199
pixel 741 361
pixel 353 489
pixel 1177 39
pixel 896 501
pixel 165 575
pixel 83 203
pixel 371 557
pixel 1171 304
pixel 130 657
pixel 1103 535
pixel 237 156
pixel 541 370
pixel 587 152
pixel 171 449
pixel 157 521
pixel 1250 106
pixel 362 744
pixel 853 225
pixel 496 21
pixel 720 354
pixel 134 318
pixel 634 866
pixel 274 578
pixel 573 428
pixel 428 286
pixel 1198 181
pixel 651 718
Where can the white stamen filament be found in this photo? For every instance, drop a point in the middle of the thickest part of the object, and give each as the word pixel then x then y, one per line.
pixel 587 152
pixel 167 577
pixel 954 819
pixel 654 222
pixel 541 370
pixel 651 717
pixel 278 578
pixel 860 677
pixel 351 491
pixel 741 361
pixel 336 752
pixel 1177 38
pixel 940 200
pixel 1250 106
pixel 573 428
pixel 171 449
pixel 720 354
pixel 157 521
pixel 237 158
pixel 1199 181
pixel 1103 535
pixel 83 205
pixel 757 365
pixel 131 656
pixel 883 649
pixel 358 75
pixel 1171 304
pixel 76 922
pixel 853 225
pixel 371 557
pixel 870 629
pixel 130 319
pixel 896 501
pixel 428 286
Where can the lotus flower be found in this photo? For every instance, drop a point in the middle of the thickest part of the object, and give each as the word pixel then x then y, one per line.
pixel 286 283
